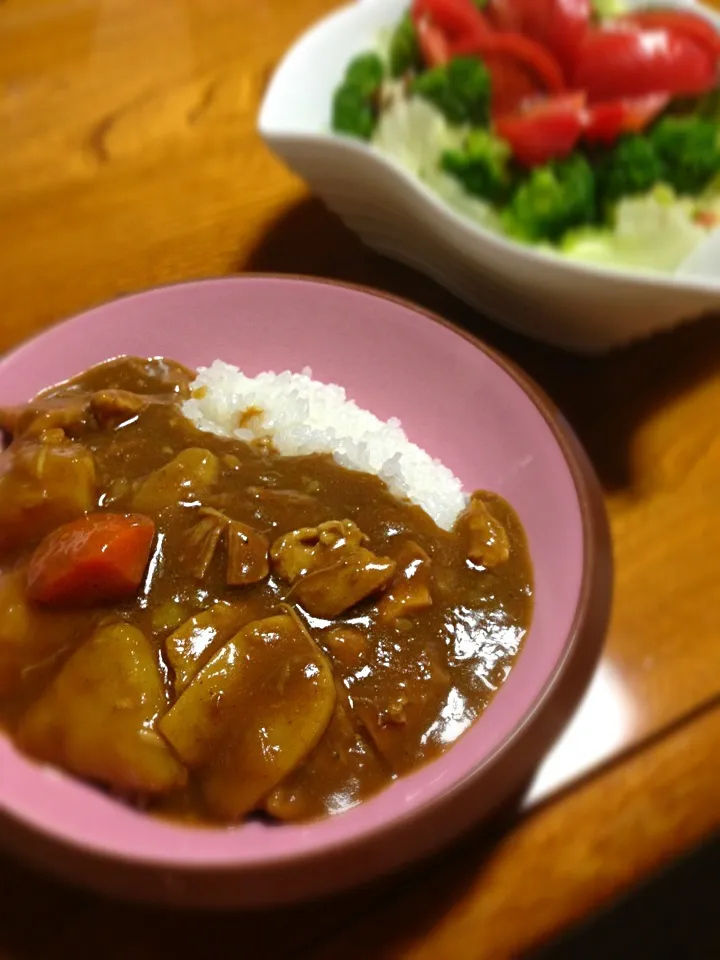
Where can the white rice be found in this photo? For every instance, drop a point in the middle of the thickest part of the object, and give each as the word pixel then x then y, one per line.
pixel 302 416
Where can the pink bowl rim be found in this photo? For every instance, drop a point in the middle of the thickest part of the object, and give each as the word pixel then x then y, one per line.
pixel 564 685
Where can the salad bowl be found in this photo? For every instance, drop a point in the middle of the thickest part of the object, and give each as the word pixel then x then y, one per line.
pixel 578 306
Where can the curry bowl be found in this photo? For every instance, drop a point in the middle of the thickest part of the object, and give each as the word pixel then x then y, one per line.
pixel 465 405
pixel 577 306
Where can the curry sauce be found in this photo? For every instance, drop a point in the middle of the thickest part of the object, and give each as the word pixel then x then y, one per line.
pixel 255 633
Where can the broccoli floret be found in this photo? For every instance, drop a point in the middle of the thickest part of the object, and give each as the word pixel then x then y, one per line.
pixel 355 109
pixel 459 89
pixel 365 73
pixel 553 199
pixel 482 166
pixel 404 48
pixel 689 151
pixel 353 113
pixel 632 166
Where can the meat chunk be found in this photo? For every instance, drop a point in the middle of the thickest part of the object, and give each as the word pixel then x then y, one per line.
pixel 190 646
pixel 348 647
pixel 247 555
pixel 397 704
pixel 330 591
pixel 61 413
pixel 252 714
pixel 97 717
pixel 43 483
pixel 283 498
pixel 488 543
pixel 182 480
pixel 298 553
pixel 203 541
pixel 113 407
pixel 409 591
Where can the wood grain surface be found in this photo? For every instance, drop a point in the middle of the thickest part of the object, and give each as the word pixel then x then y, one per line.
pixel 129 157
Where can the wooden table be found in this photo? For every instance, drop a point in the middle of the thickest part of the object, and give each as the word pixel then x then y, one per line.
pixel 129 157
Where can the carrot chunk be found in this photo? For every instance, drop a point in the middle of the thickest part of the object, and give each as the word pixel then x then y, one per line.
pixel 98 559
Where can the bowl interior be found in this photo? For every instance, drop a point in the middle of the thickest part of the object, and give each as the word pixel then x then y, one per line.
pixel 453 399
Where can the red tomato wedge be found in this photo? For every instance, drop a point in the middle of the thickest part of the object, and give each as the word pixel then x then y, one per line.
pixel 618 62
pixel 434 45
pixel 606 122
pixel 559 25
pixel 454 17
pixel 681 22
pixel 520 68
pixel 548 130
pixel 98 559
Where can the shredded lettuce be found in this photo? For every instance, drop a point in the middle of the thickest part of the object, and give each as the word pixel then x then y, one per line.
pixel 653 232
pixel 415 134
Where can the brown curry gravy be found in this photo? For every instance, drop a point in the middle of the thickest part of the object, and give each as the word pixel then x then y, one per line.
pixel 405 689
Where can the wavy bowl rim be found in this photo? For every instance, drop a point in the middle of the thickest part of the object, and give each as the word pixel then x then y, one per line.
pixel 434 203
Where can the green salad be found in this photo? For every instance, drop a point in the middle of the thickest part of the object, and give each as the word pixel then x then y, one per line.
pixel 573 126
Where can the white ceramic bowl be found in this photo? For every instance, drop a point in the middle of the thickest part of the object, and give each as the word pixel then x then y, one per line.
pixel 575 306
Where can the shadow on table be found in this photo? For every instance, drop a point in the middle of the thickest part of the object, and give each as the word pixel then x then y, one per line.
pixel 605 398
pixel 42 919
pixel 673 914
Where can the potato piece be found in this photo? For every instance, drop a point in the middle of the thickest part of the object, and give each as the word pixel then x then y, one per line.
pixel 342 770
pixel 252 714
pixel 488 544
pixel 192 644
pixel 410 589
pixel 96 718
pixel 180 481
pixel 333 590
pixel 15 629
pixel 43 485
pixel 247 555
pixel 29 637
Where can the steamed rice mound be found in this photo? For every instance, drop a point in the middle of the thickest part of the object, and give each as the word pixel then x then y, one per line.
pixel 302 416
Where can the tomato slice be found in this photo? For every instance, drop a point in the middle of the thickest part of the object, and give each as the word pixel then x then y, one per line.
pixel 513 85
pixel 619 61
pixel 454 17
pixel 520 68
pixel 681 22
pixel 606 122
pixel 706 218
pixel 559 25
pixel 548 130
pixel 434 45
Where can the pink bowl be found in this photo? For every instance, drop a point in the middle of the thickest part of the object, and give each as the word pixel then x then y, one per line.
pixel 494 429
